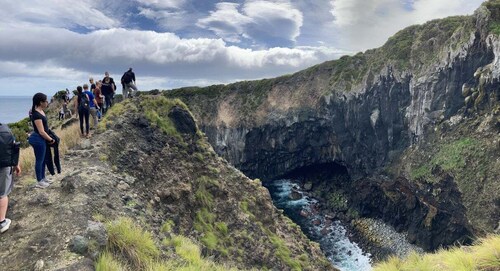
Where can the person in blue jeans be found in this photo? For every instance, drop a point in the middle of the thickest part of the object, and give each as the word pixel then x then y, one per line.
pixel 40 138
pixel 93 107
pixel 82 106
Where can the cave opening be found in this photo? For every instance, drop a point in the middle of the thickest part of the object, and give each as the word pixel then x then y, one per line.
pixel 332 172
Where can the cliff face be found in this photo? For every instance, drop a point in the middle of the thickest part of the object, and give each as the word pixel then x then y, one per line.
pixel 368 111
pixel 150 163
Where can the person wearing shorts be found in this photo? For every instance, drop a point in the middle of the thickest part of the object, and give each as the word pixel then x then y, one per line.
pixel 6 185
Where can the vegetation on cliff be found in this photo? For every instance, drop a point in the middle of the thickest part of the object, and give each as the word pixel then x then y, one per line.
pixel 483 256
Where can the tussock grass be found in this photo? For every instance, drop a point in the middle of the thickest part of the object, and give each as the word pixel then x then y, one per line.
pixel 484 255
pixel 131 248
pixel 107 262
pixel 132 242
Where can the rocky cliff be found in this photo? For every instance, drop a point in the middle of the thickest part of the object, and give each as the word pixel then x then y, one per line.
pixel 426 101
pixel 150 163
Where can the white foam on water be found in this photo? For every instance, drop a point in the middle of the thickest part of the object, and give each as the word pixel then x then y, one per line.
pixel 344 254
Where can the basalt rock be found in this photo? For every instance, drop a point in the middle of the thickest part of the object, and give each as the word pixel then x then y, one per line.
pixel 431 220
pixel 365 111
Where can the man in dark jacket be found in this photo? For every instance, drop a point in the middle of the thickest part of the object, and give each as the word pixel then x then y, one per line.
pixel 128 84
pixel 108 89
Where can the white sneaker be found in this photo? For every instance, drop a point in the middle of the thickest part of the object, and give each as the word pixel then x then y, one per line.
pixel 4 226
pixel 42 184
pixel 47 180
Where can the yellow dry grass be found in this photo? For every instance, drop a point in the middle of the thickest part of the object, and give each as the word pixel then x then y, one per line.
pixel 484 255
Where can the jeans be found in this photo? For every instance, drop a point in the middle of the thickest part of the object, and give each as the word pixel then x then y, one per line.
pixel 83 114
pixel 108 99
pixel 39 147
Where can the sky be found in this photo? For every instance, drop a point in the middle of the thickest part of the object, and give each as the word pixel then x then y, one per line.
pixel 50 45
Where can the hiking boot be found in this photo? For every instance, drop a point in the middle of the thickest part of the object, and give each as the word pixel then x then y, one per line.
pixel 4 226
pixel 42 184
pixel 47 180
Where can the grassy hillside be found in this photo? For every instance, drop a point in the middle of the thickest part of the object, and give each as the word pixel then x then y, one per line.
pixel 483 256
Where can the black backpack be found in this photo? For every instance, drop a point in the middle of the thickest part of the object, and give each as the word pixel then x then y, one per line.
pixel 127 77
pixel 83 101
pixel 9 148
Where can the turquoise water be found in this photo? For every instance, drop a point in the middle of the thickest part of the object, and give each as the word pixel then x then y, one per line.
pixel 14 108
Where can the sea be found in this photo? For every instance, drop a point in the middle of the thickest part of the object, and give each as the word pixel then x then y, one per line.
pixel 14 108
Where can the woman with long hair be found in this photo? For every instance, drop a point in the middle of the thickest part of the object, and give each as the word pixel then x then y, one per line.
pixel 40 137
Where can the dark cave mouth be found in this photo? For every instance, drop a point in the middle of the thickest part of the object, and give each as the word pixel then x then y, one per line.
pixel 331 171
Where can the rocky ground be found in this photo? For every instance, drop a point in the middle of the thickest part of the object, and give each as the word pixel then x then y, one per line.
pixel 46 221
pixel 139 168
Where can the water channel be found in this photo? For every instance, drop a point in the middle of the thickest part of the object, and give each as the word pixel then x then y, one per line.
pixel 329 233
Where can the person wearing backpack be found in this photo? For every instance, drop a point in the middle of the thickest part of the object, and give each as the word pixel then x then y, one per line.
pixel 82 106
pixel 9 163
pixel 93 107
pixel 128 84
pixel 40 137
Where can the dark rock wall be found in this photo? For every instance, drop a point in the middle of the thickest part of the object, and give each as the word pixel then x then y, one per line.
pixel 431 221
pixel 362 130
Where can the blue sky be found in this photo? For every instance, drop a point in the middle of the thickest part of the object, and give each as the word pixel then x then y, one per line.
pixel 48 45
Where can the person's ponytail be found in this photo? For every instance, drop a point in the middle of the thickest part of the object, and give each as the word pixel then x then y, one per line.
pixel 37 100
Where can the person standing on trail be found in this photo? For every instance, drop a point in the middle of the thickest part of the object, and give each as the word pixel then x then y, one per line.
pixel 82 106
pixel 99 98
pixel 9 163
pixel 108 89
pixel 40 137
pixel 128 84
pixel 93 107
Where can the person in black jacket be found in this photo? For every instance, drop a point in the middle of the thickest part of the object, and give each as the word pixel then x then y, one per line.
pixel 50 160
pixel 128 84
pixel 108 89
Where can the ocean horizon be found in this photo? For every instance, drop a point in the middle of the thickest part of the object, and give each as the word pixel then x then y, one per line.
pixel 14 108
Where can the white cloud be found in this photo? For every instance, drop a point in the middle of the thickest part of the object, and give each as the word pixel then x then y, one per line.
pixel 367 24
pixel 167 19
pixel 265 22
pixel 62 53
pixel 227 22
pixel 57 13
pixel 41 50
pixel 164 4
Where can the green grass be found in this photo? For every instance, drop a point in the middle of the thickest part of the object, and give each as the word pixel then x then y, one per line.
pixel 484 255
pixel 156 110
pixel 107 262
pixel 204 197
pixel 167 226
pixel 126 237
pixel 493 7
pixel 283 252
pixel 132 248
pixel 450 157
